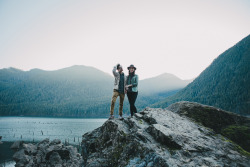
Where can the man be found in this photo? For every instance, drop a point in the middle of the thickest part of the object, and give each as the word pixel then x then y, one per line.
pixel 119 90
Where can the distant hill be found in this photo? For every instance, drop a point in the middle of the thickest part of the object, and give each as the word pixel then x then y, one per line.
pixel 224 84
pixel 157 88
pixel 162 83
pixel 77 91
pixel 73 91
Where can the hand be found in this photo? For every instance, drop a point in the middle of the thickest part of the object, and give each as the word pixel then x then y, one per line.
pixel 127 86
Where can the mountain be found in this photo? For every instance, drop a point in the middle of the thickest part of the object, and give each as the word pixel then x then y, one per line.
pixel 152 138
pixel 224 84
pixel 74 91
pixel 77 91
pixel 162 83
pixel 155 89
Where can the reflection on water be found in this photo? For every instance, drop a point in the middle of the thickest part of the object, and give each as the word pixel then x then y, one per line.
pixel 37 129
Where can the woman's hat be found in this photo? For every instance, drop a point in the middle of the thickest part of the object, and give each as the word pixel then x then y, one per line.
pixel 132 66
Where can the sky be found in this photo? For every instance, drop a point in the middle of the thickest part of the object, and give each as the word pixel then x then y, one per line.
pixel 181 37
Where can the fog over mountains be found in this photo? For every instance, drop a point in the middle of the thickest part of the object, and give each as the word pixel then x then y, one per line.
pixel 82 91
pixel 72 92
pixel 162 83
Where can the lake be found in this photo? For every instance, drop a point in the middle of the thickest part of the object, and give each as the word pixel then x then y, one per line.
pixel 36 129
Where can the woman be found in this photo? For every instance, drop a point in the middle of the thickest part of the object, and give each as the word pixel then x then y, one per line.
pixel 132 88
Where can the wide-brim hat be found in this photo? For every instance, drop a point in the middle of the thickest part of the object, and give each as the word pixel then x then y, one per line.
pixel 132 66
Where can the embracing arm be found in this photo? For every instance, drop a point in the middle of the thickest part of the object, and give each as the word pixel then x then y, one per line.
pixel 126 80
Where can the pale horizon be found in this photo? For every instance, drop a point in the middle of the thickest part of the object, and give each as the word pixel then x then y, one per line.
pixel 110 73
pixel 164 36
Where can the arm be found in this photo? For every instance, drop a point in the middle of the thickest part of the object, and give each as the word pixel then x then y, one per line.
pixel 114 71
pixel 126 84
pixel 136 81
pixel 126 80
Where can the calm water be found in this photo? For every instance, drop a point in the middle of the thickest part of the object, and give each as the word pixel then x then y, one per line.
pixel 37 129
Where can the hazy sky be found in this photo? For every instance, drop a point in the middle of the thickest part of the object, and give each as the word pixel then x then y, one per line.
pixel 181 37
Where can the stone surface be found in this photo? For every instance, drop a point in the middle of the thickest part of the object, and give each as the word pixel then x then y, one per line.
pixel 230 125
pixel 16 145
pixel 152 138
pixel 49 154
pixel 158 138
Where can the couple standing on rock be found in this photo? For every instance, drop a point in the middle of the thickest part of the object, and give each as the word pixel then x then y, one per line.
pixel 124 85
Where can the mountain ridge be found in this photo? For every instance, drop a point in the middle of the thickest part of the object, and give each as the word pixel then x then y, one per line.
pixel 69 92
pixel 224 83
pixel 165 82
pixel 164 74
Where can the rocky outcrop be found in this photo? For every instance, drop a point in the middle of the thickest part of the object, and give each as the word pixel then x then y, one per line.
pixel 230 125
pixel 16 145
pixel 47 154
pixel 158 138
pixel 187 136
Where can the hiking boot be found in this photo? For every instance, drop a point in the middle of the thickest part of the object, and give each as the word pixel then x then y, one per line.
pixel 120 117
pixel 111 117
pixel 130 117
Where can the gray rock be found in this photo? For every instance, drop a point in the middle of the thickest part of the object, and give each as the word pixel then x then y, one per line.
pixel 16 145
pixel 161 134
pixel 30 149
pixel 159 138
pixel 55 159
pixel 19 155
pixel 48 153
pixel 55 142
pixel 153 138
pixel 233 126
pixel 44 142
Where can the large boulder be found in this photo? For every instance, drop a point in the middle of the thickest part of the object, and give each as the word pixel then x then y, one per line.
pixel 230 125
pixel 16 145
pixel 158 138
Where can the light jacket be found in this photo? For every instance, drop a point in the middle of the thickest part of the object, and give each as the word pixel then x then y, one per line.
pixel 117 79
pixel 134 81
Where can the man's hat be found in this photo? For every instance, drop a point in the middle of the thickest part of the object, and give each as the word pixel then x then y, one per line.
pixel 132 66
pixel 118 66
